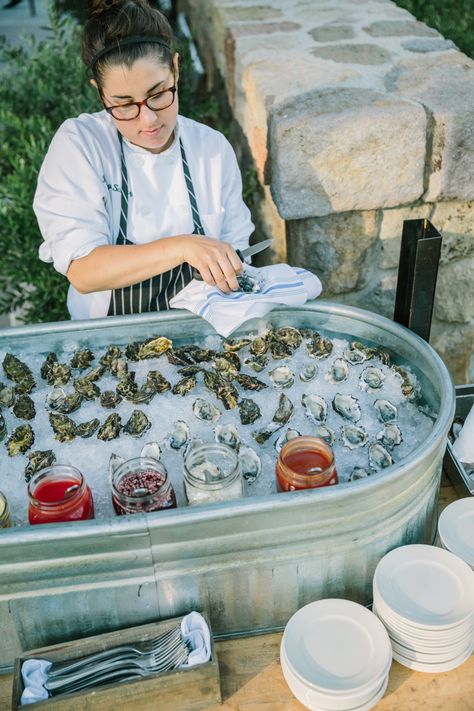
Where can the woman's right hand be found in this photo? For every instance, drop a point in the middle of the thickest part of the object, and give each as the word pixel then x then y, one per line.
pixel 216 261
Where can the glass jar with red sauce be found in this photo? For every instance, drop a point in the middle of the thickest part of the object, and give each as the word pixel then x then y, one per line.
pixel 141 485
pixel 59 493
pixel 305 463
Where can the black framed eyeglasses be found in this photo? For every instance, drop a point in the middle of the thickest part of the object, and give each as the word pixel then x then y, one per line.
pixel 155 102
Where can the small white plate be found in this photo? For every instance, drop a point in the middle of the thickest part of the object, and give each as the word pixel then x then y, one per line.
pixel 422 631
pixel 336 645
pixel 425 586
pixel 456 529
pixel 434 668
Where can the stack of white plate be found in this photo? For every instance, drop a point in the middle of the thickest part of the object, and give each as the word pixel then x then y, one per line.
pixel 456 529
pixel 425 598
pixel 335 656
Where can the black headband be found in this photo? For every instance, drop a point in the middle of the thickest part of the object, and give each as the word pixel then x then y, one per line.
pixel 119 43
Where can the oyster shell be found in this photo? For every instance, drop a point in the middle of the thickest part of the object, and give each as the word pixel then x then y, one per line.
pixel 53 372
pixel 233 345
pixel 319 346
pixel 285 437
pixel 378 456
pixel 249 411
pixel 189 370
pixel 325 433
pixel 158 381
pixel 114 462
pixel 179 435
pixel 3 427
pixel 228 395
pixel 110 399
pixel 143 394
pixel 250 464
pixel 386 411
pixel 118 367
pixel 38 460
pixel 7 395
pixel 249 382
pixel 284 410
pixel 371 378
pixel 282 377
pixel 353 436
pixel 183 386
pixel 87 429
pixel 154 347
pixel 82 358
pixel 259 345
pixel 19 372
pixel 408 383
pixel 256 363
pixel 338 371
pixel 63 427
pixel 189 355
pixel 20 440
pixel 248 283
pixel 358 353
pixel 112 353
pixel 315 406
pixel 127 387
pixel 137 424
pixel 225 366
pixel 308 372
pixel 266 432
pixel 111 428
pixel 59 401
pixel 88 390
pixel 151 450
pixel 347 406
pixel 227 434
pixel 131 351
pixel 284 341
pixel 358 473
pixel 205 410
pixel 213 381
pixel 24 407
pixel 391 435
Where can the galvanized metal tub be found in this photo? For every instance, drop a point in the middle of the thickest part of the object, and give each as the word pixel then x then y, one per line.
pixel 250 563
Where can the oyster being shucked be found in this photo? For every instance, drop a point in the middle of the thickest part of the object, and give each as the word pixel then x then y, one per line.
pixel 248 283
pixel 21 375
pixel 24 407
pixel 183 386
pixel 319 346
pixel 282 377
pixel 87 429
pixel 82 359
pixel 308 372
pixel 354 436
pixel 284 410
pixel 63 427
pixel 386 411
pixel 358 353
pixel 227 434
pixel 154 347
pixel 391 435
pixel 179 435
pixel 315 406
pixel 371 378
pixel 110 399
pixel 20 440
pixel 112 353
pixel 233 345
pixel 249 382
pixel 347 406
pixel 338 371
pixel 250 464
pixel 137 424
pixel 38 460
pixel 205 410
pixel 285 437
pixel 111 428
pixel 378 456
pixel 249 411
pixel 3 427
pixel 256 363
pixel 60 402
pixel 7 395
pixel 326 433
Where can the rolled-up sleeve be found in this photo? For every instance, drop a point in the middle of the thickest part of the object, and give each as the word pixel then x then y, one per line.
pixel 237 226
pixel 71 199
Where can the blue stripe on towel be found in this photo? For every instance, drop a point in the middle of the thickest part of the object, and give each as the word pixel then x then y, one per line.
pixel 280 289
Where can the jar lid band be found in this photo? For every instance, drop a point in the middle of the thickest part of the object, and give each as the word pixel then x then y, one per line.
pixel 119 43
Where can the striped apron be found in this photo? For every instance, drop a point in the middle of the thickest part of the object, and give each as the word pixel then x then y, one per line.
pixel 155 293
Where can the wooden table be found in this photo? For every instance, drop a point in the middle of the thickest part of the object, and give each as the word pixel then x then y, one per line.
pixel 252 680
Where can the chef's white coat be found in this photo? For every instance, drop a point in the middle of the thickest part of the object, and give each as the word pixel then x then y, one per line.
pixel 77 200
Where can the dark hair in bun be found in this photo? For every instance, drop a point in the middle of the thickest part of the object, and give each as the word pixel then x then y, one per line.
pixel 122 31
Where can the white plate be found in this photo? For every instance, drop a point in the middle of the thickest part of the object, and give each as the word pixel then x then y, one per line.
pixel 456 529
pixel 336 645
pixel 431 657
pixel 426 586
pixel 433 668
pixel 423 632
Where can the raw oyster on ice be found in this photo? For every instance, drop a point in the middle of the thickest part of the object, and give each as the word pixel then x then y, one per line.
pixel 371 378
pixel 112 353
pixel 284 410
pixel 250 464
pixel 20 440
pixel 358 353
pixel 114 462
pixel 266 432
pixel 38 460
pixel 325 433
pixel 82 358
pixel 308 372
pixel 59 401
pixel 53 372
pixel 205 410
pixel 347 406
pixel 3 427
pixel 227 434
pixel 151 450
pixel 256 363
pixel 24 407
pixel 111 428
pixel 282 377
pixel 259 345
pixel 110 399
pixel 179 435
pixel 358 473
pixel 315 406
pixel 87 429
pixel 285 437
pixel 63 427
pixel 137 424
pixel 386 411
pixel 154 347
pixel 391 435
pixel 19 372
pixel 249 382
pixel 378 456
pixel 249 411
pixel 338 371
pixel 7 395
pixel 235 344
pixel 354 436
pixel 184 385
pixel 319 346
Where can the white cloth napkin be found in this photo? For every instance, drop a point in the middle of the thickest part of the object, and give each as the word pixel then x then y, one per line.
pixel 280 284
pixel 194 630
pixel 463 446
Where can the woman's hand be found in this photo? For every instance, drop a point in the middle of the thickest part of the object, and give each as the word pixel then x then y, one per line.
pixel 216 261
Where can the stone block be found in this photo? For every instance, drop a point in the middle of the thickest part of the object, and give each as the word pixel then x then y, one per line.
pixel 332 33
pixel 455 222
pixel 366 54
pixel 454 299
pixel 381 296
pixel 444 84
pixel 454 343
pixel 337 248
pixel 391 227
pixel 400 28
pixel 344 149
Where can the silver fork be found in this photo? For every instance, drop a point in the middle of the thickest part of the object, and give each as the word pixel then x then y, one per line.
pixel 136 649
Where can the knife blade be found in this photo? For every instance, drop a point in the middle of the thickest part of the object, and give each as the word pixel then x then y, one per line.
pixel 242 253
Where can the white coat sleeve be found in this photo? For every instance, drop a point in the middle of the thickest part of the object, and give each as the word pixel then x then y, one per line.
pixel 70 200
pixel 237 225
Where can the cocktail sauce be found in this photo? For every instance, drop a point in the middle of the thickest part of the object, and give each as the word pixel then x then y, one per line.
pixel 305 463
pixel 57 494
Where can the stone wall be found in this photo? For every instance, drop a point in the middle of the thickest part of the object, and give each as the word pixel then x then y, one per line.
pixel 356 117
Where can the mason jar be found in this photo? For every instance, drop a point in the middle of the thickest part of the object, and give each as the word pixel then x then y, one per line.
pixel 141 485
pixel 4 512
pixel 211 474
pixel 305 463
pixel 59 493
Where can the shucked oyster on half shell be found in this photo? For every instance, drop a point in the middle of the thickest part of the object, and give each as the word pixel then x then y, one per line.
pixel 282 377
pixel 20 440
pixel 347 406
pixel 250 464
pixel 308 372
pixel 338 371
pixel 59 401
pixel 227 434
pixel 286 437
pixel 154 347
pixel 386 411
pixel 353 436
pixel 249 411
pixel 326 433
pixel 391 435
pixel 179 435
pixel 316 407
pixel 205 410
pixel 371 378
pixel 378 456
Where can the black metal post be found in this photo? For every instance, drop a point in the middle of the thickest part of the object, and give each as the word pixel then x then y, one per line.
pixel 417 273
